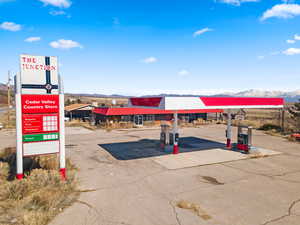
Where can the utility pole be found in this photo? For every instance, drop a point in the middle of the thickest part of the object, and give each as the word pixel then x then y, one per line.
pixel 8 98
pixel 282 120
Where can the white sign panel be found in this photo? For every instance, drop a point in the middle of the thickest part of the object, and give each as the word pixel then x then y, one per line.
pixel 40 148
pixel 39 74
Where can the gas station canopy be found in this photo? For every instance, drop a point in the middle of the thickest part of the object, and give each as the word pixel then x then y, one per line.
pixel 191 103
pixel 184 103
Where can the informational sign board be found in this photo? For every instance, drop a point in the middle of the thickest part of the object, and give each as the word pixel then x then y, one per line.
pixel 39 109
pixel 39 74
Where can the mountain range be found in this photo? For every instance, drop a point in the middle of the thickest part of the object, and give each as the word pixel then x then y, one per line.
pixel 289 96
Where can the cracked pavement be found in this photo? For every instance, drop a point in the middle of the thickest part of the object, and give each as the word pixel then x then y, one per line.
pixel 259 191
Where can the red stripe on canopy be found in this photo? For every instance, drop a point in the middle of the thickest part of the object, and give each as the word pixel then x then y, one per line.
pixel 236 101
pixel 150 102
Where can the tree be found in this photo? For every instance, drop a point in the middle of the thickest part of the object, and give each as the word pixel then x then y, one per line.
pixel 295 114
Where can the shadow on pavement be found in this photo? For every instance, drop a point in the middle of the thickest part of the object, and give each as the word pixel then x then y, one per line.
pixel 145 148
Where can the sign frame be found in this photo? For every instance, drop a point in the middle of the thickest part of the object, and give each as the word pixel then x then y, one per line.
pixel 50 90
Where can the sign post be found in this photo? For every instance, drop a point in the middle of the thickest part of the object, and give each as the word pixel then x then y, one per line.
pixel 62 160
pixel 39 110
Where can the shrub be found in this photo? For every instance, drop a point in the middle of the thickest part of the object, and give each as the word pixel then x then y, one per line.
pixel 268 126
pixel 37 198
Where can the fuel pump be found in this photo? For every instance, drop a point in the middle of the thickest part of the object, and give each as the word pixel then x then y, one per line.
pixel 175 134
pixel 164 135
pixel 244 138
pixel 162 139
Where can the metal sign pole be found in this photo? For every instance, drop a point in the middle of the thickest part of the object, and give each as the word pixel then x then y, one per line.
pixel 19 144
pixel 62 157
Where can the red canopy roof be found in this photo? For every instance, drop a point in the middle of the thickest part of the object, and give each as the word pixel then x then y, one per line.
pixel 144 111
pixel 183 103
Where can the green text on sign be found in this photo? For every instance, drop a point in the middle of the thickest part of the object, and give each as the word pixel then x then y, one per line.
pixel 40 137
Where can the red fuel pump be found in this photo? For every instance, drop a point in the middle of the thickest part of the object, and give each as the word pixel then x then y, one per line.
pixel 244 138
pixel 164 135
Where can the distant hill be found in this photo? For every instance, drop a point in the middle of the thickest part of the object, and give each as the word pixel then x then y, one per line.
pixel 289 96
pixel 292 96
pixel 3 87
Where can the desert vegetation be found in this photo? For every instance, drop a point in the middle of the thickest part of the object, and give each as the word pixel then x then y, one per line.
pixel 40 196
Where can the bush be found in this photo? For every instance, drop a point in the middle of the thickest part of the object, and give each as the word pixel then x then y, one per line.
pixel 269 126
pixel 37 198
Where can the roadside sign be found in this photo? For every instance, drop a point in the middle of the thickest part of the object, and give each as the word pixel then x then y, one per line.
pixel 39 110
pixel 38 123
pixel 39 74
pixel 32 104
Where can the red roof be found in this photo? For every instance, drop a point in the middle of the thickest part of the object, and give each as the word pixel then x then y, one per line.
pixel 144 111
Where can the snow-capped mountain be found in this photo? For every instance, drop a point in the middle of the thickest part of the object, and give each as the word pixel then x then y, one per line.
pixel 290 96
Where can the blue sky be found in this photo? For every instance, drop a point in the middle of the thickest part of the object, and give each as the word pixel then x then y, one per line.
pixel 150 47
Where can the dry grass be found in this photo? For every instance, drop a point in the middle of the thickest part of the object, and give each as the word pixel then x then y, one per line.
pixel 194 208
pixel 79 123
pixel 39 197
pixel 4 119
pixel 116 125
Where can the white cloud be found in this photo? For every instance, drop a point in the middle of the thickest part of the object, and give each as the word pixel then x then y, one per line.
pixel 150 60
pixel 58 3
pixel 57 12
pixel 10 26
pixel 202 31
pixel 65 44
pixel 284 11
pixel 260 57
pixel 32 39
pixel 292 51
pixel 290 41
pixel 183 73
pixel 236 2
pixel 297 37
pixel 275 53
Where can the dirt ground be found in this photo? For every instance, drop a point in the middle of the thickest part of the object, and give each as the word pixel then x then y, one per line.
pixel 123 185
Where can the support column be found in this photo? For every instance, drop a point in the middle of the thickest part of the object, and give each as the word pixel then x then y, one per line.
pixel 19 144
pixel 62 156
pixel 175 134
pixel 250 137
pixel 228 131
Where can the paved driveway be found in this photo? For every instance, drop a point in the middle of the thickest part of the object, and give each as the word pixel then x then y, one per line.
pixel 138 191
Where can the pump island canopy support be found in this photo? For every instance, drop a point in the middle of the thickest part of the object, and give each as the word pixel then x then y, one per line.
pixel 188 103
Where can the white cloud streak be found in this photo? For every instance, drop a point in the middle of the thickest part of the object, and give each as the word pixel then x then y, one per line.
pixel 283 11
pixel 297 37
pixel 290 41
pixel 11 26
pixel 202 31
pixel 236 2
pixel 183 73
pixel 260 57
pixel 58 3
pixel 292 51
pixel 65 44
pixel 32 39
pixel 149 60
pixel 57 13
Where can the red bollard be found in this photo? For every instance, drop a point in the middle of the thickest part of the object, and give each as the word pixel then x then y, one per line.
pixel 175 149
pixel 19 176
pixel 228 144
pixel 62 172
